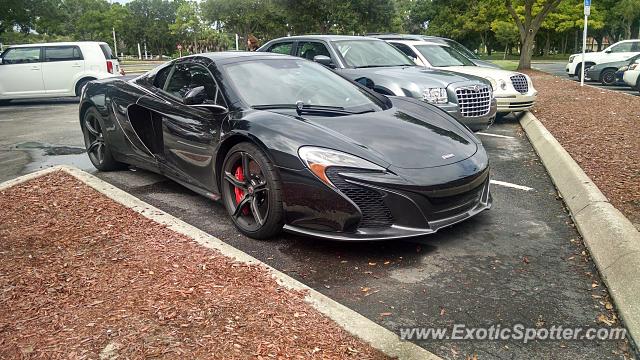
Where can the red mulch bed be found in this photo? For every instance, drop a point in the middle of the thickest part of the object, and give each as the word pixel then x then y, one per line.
pixel 599 128
pixel 83 277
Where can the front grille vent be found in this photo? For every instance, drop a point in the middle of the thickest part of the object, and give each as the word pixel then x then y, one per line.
pixel 375 214
pixel 474 101
pixel 520 83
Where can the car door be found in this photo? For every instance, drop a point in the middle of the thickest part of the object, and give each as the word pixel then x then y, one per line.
pixel 61 69
pixel 189 133
pixel 21 73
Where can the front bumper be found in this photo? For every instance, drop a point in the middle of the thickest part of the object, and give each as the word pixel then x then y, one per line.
pixel 516 102
pixel 630 77
pixel 386 211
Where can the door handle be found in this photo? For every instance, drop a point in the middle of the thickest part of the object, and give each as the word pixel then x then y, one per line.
pixel 35 68
pixel 76 65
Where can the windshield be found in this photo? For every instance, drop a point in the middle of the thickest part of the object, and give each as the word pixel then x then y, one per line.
pixel 462 49
pixel 440 55
pixel 285 82
pixel 371 53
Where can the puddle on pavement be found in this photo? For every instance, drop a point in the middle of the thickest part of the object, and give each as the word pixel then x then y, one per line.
pixel 46 155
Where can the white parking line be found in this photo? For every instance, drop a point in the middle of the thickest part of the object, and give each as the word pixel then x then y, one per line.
pixel 495 135
pixel 515 186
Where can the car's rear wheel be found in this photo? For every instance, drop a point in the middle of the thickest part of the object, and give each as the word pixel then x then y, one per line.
pixel 97 148
pixel 251 191
pixel 608 77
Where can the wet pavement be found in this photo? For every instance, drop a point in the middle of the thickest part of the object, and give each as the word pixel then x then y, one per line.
pixel 520 262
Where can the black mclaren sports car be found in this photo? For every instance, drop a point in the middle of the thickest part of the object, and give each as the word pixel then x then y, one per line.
pixel 286 143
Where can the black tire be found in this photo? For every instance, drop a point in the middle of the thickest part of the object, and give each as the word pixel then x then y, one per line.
pixel 97 147
pixel 608 77
pixel 254 202
pixel 80 85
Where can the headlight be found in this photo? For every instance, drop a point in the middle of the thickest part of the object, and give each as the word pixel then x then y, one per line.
pixel 435 95
pixel 502 84
pixel 571 58
pixel 624 68
pixel 319 159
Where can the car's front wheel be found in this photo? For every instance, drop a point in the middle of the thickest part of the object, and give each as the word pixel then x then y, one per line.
pixel 251 191
pixel 608 77
pixel 94 140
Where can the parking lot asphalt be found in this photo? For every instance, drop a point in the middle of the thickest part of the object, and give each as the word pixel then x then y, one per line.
pixel 558 69
pixel 522 262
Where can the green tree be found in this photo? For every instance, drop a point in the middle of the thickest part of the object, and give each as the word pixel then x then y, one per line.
pixel 528 23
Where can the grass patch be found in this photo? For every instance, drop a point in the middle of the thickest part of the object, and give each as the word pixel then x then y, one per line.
pixel 506 64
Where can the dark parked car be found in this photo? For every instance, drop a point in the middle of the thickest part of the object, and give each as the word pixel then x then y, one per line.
pixel 385 69
pixel 285 142
pixel 606 73
pixel 440 40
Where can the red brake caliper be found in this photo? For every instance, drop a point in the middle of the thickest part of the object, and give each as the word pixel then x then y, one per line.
pixel 239 193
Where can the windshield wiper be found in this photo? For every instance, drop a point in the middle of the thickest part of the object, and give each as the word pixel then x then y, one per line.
pixel 311 109
pixel 375 66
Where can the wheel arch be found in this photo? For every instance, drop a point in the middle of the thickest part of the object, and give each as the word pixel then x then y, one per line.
pixel 84 78
pixel 229 142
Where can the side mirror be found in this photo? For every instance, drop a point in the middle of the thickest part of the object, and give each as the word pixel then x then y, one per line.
pixel 195 96
pixel 324 60
pixel 366 82
pixel 608 51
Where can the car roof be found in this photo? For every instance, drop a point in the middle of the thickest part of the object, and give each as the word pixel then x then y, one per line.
pixel 223 56
pixel 324 37
pixel 66 43
pixel 417 42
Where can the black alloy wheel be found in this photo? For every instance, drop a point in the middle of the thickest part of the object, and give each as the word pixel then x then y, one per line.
pixel 250 188
pixel 94 142
pixel 608 77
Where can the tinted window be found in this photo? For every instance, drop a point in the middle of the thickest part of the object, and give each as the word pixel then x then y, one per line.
pixel 624 47
pixel 186 77
pixel 635 47
pixel 439 55
pixel 309 50
pixel 281 48
pixel 106 50
pixel 62 53
pixel 161 77
pixel 285 82
pixel 371 53
pixel 406 50
pixel 21 55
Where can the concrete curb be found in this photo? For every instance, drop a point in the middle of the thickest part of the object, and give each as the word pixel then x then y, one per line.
pixel 354 323
pixel 613 241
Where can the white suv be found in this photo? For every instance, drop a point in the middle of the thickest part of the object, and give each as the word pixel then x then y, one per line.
pixel 620 51
pixel 54 69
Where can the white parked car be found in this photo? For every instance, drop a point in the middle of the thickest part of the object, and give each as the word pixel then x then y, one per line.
pixel 619 51
pixel 631 77
pixel 54 69
pixel 513 91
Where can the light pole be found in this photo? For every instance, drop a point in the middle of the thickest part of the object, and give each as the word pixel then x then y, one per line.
pixel 587 11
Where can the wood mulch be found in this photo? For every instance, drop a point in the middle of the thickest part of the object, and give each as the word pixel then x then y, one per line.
pixel 601 130
pixel 84 277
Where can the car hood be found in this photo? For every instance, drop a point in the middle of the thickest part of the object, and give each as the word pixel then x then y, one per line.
pixel 410 135
pixel 417 75
pixel 483 72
